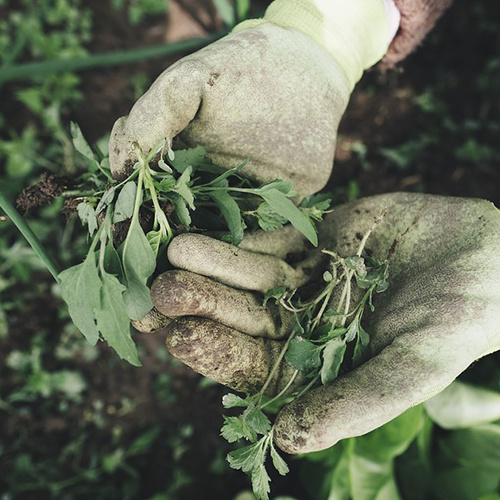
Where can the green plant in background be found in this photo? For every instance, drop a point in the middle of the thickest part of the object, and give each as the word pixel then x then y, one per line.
pixel 139 9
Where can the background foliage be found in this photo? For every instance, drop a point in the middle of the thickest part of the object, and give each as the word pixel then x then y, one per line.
pixel 76 422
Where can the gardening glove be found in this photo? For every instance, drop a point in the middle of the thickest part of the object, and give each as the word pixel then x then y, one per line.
pixel 440 313
pixel 273 90
pixel 417 19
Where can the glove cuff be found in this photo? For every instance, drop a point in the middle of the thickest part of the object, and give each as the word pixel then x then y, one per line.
pixel 356 33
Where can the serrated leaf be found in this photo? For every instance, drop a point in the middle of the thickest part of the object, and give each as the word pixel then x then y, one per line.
pixel 279 464
pixel 113 321
pixel 232 400
pixel 88 216
pixel 139 262
pixel 257 420
pixel 236 428
pixel 260 482
pixel 283 206
pixel 268 219
pixel 231 213
pixel 124 206
pixel 245 458
pixel 333 354
pixel 302 354
pixel 80 287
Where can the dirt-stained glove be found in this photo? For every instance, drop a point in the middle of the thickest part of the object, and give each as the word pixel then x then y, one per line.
pixel 440 313
pixel 417 19
pixel 273 90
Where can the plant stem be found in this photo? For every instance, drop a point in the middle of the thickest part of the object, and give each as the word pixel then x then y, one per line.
pixel 28 233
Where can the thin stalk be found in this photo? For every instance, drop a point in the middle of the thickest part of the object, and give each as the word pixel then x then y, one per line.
pixel 31 71
pixel 28 233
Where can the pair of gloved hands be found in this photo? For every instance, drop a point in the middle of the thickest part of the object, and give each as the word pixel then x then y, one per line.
pixel 276 89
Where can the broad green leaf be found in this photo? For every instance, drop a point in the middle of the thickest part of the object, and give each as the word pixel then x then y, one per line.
pixel 371 479
pixel 82 146
pixel 231 213
pixel 113 322
pixel 106 199
pixel 245 458
pixel 286 187
pixel 333 354
pixel 465 482
pixel 80 287
pixel 279 464
pixel 462 405
pixel 112 262
pixel 88 216
pixel 257 420
pixel 392 439
pixel 139 262
pixel 124 206
pixel 302 354
pixel 181 187
pixel 283 206
pixel 232 400
pixel 340 488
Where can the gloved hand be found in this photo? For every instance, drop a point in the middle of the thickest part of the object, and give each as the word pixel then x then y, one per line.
pixel 440 313
pixel 274 89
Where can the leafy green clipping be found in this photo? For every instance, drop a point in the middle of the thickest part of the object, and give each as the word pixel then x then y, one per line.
pixel 333 354
pixel 284 207
pixel 302 354
pixel 113 321
pixel 88 216
pixel 257 420
pixel 275 293
pixel 232 400
pixel 260 482
pixel 231 213
pixel 124 206
pixel 236 428
pixel 245 458
pixel 182 187
pixel 185 158
pixel 80 287
pixel 278 462
pixel 82 146
pixel 268 219
pixel 139 262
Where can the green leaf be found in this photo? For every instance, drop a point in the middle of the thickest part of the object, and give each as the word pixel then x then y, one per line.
pixel 106 199
pixel 124 206
pixel 164 166
pixel 333 354
pixel 113 321
pixel 352 331
pixel 236 428
pixel 268 219
pixel 80 287
pixel 275 293
pixel 356 264
pixel 232 400
pixel 260 482
pixel 181 187
pixel 155 239
pixel 112 262
pixel 82 146
pixel 144 442
pixel 180 209
pixel 284 206
pixel 286 187
pixel 462 405
pixel 139 262
pixel 257 420
pixel 242 9
pixel 278 462
pixel 246 458
pixel 303 355
pixel 88 216
pixel 231 213
pixel 393 438
pixel 185 158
